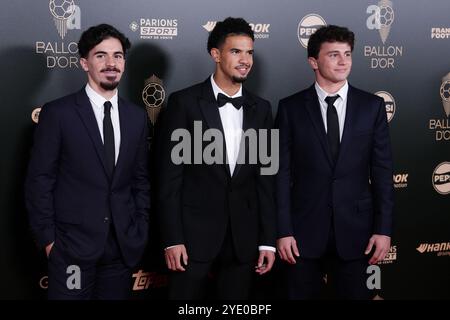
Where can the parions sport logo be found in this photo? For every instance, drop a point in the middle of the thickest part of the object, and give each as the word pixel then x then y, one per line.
pixel 441 178
pixel 389 102
pixel 261 30
pixel 381 19
pixel 307 26
pixel 66 16
pixel 156 28
pixel 391 256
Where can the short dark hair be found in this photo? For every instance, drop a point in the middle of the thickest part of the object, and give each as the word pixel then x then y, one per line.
pixel 228 27
pixel 329 33
pixel 96 34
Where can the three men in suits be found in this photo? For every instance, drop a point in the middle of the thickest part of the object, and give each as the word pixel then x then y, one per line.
pixel 216 216
pixel 87 188
pixel 334 185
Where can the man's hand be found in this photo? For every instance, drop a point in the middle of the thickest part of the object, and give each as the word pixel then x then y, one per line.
pixel 287 248
pixel 48 248
pixel 173 256
pixel 265 261
pixel 382 245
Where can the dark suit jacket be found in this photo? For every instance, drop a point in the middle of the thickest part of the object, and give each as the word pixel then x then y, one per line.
pixel 198 201
pixel 357 193
pixel 68 190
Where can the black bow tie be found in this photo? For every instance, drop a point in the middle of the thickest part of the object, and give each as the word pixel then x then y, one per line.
pixel 236 102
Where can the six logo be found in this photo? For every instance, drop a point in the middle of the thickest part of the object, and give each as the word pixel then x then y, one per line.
pixel 381 18
pixel 153 96
pixel 307 26
pixel 445 93
pixel 389 103
pixel 66 15
pixel 441 178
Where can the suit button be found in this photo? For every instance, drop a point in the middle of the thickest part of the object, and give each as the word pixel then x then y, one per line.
pixel 106 219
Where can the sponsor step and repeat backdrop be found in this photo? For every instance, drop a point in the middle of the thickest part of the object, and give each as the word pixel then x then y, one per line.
pixel 401 54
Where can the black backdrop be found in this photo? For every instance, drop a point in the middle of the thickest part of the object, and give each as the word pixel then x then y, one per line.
pixel 401 53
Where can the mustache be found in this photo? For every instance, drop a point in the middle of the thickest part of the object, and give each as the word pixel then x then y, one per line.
pixel 110 69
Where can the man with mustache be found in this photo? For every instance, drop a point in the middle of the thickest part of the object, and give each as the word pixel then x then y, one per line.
pixel 216 216
pixel 87 188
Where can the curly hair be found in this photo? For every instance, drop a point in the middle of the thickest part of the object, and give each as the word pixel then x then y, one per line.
pixel 228 27
pixel 329 33
pixel 96 34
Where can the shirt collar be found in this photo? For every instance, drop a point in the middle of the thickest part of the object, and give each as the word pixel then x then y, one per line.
pixel 98 100
pixel 322 94
pixel 217 89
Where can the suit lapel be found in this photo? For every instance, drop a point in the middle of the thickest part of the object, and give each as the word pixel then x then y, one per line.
pixel 84 109
pixel 124 135
pixel 210 111
pixel 313 107
pixel 248 122
pixel 348 123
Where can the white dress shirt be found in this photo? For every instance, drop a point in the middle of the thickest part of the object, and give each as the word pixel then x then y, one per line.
pixel 232 125
pixel 340 104
pixel 97 102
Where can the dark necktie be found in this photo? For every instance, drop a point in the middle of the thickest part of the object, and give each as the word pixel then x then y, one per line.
pixel 108 138
pixel 236 102
pixel 332 127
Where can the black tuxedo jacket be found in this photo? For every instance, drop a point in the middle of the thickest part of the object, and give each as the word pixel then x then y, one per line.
pixel 68 190
pixel 198 201
pixel 356 193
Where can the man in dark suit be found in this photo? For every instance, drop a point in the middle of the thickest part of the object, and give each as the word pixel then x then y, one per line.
pixel 87 189
pixel 334 185
pixel 216 215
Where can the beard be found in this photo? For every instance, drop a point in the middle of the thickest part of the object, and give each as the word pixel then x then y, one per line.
pixel 112 83
pixel 239 79
pixel 109 86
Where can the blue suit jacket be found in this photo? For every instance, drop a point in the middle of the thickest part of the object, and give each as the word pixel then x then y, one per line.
pixel 357 193
pixel 68 191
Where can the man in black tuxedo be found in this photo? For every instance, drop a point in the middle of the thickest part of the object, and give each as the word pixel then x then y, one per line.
pixel 334 185
pixel 216 216
pixel 87 188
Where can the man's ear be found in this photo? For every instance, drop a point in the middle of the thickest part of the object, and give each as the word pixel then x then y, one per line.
pixel 215 54
pixel 313 63
pixel 84 64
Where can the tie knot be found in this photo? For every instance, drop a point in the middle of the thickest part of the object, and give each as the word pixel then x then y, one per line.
pixel 107 106
pixel 331 99
pixel 236 102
